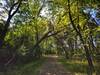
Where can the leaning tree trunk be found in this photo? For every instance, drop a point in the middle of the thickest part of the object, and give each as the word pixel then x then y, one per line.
pixel 88 56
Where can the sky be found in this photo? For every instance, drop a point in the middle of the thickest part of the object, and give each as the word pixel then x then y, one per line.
pixel 45 13
pixel 93 15
pixel 3 15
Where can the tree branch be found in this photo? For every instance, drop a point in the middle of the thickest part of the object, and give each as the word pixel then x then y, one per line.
pixel 9 13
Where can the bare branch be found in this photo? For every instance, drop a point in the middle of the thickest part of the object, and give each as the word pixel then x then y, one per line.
pixel 12 7
pixel 41 8
pixel 16 9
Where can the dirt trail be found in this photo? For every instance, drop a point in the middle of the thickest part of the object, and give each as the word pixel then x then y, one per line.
pixel 52 67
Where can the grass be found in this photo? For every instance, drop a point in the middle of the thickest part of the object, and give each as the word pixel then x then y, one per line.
pixel 76 66
pixel 26 69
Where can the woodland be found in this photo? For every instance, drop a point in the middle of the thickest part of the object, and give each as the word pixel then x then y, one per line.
pixel 33 29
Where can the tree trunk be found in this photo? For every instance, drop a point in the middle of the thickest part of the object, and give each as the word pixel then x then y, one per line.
pixel 88 56
pixel 7 24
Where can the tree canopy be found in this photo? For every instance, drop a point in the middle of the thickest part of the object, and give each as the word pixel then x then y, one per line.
pixel 32 28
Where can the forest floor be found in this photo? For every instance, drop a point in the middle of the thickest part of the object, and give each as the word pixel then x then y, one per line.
pixel 52 66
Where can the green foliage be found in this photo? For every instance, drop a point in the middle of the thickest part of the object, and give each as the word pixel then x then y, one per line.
pixel 77 66
pixel 28 26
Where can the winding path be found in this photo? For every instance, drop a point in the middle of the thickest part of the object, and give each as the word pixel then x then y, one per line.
pixel 52 67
